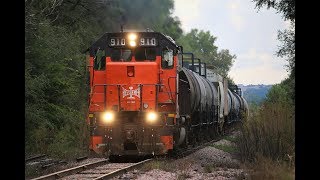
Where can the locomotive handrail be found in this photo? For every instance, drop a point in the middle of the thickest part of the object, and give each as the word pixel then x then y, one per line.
pixel 170 88
pixel 192 58
pixel 199 62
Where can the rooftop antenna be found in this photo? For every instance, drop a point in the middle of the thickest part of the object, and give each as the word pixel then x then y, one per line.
pixel 123 20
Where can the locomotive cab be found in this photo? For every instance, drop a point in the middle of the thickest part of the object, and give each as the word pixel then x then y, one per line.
pixel 132 100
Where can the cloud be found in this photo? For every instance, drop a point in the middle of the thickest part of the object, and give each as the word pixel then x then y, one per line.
pixel 254 67
pixel 187 11
pixel 250 35
pixel 233 5
pixel 197 13
pixel 236 16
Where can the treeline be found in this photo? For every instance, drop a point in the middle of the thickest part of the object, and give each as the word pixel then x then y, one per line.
pixel 56 33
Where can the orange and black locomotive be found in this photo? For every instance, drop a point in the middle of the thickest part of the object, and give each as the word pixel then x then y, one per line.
pixel 146 99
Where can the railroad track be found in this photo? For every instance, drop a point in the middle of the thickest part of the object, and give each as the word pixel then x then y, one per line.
pixel 32 158
pixel 183 152
pixel 103 169
pixel 97 170
pixel 180 153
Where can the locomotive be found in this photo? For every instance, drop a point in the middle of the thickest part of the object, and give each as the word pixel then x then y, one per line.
pixel 148 97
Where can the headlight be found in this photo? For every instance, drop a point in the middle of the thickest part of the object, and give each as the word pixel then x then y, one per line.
pixel 132 39
pixel 107 117
pixel 132 36
pixel 152 117
pixel 132 43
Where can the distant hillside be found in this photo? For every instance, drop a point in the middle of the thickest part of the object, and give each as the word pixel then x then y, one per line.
pixel 255 94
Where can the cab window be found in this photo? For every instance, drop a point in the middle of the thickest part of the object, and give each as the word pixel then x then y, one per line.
pixel 142 54
pixel 167 59
pixel 100 60
pixel 120 55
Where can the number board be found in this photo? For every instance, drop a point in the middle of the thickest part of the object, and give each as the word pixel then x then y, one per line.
pixel 148 41
pixel 117 41
pixel 143 41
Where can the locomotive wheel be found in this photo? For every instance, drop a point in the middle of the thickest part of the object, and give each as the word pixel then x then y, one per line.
pixel 207 134
pixel 212 132
pixel 186 141
pixel 200 136
pixel 193 137
pixel 216 130
pixel 114 158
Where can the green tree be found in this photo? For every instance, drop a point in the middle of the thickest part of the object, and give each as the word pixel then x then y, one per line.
pixel 286 7
pixel 224 62
pixel 287 48
pixel 287 37
pixel 278 94
pixel 202 44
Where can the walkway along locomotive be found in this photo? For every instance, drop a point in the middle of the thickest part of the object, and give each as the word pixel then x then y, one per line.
pixel 146 98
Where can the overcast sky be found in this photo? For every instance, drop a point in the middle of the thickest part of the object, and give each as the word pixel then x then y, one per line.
pixel 248 33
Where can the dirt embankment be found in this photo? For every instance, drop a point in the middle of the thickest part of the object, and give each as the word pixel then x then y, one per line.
pixel 217 161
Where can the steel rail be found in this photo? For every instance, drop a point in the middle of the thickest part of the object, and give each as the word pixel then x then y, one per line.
pixel 35 157
pixel 123 170
pixel 73 170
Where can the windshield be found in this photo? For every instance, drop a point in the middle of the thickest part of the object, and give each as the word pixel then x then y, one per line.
pixel 142 54
pixel 121 55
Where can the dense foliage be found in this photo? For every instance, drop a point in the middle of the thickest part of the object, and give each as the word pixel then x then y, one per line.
pixel 270 131
pixel 56 33
pixel 202 44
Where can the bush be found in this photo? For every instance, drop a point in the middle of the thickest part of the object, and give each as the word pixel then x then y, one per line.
pixel 270 132
pixel 266 168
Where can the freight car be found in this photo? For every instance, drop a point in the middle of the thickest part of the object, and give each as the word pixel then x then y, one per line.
pixel 149 97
